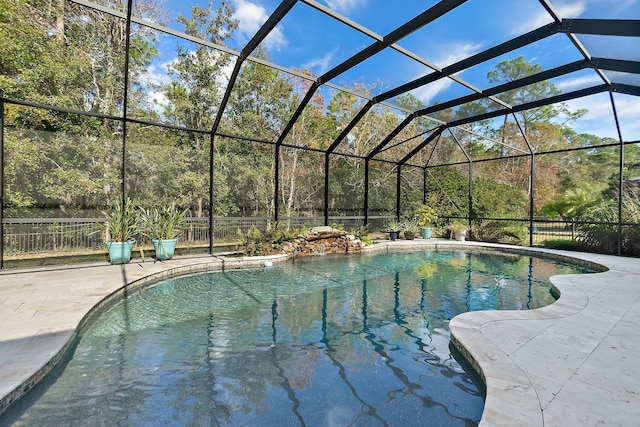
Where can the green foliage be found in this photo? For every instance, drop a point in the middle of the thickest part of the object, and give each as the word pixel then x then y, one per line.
pixel 264 241
pixel 411 225
pixel 564 244
pixel 425 216
pixel 510 232
pixel 509 70
pixel 68 55
pixel 392 224
pixel 492 198
pixel 448 190
pixel 164 223
pixel 457 226
pixel 573 203
pixel 598 236
pixel 122 222
pixel 362 234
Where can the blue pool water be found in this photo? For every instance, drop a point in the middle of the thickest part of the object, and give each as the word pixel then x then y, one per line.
pixel 322 341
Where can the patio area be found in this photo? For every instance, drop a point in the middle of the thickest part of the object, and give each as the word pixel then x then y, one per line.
pixel 571 363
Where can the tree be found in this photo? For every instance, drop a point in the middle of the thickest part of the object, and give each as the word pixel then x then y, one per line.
pixel 195 91
pixel 573 204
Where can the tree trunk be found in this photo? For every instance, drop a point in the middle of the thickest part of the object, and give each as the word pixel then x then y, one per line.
pixel 60 20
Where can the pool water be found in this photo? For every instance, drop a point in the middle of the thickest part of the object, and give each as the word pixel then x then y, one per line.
pixel 321 341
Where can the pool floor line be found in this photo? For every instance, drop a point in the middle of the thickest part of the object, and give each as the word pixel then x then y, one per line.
pixel 571 363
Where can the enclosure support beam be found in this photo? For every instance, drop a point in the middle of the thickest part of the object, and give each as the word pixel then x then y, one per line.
pixel 531 197
pixel 212 139
pixel 273 20
pixel 470 193
pixel 620 172
pixel 506 47
pixel 423 144
pixel 125 98
pixel 602 27
pixel 276 184
pixel 469 213
pixel 398 179
pixel 345 132
pixel 1 181
pixel 326 189
pixel 424 185
pixel 531 179
pixel 366 192
pixel 534 78
pixel 389 137
pixel 534 104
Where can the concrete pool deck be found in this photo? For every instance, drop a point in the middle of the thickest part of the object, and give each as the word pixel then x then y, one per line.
pixel 575 362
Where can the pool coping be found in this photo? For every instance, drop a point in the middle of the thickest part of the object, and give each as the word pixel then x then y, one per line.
pixel 541 367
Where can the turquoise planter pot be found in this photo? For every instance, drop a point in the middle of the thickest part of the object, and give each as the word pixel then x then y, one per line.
pixel 427 232
pixel 164 248
pixel 120 252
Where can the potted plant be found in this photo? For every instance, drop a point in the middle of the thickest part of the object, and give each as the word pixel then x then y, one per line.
pixel 163 226
pixel 426 216
pixel 121 229
pixel 458 230
pixel 393 227
pixel 411 229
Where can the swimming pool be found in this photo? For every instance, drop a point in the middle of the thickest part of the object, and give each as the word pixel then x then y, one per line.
pixel 320 341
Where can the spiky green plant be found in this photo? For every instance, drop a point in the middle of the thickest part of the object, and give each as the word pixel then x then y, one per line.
pixel 122 222
pixel 164 223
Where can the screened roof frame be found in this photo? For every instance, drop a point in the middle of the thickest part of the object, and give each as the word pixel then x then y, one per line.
pixel 571 27
pixel 566 26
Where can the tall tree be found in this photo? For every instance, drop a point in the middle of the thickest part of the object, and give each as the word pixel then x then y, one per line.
pixel 195 91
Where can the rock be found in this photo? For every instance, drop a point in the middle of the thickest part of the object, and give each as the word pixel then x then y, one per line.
pixel 322 229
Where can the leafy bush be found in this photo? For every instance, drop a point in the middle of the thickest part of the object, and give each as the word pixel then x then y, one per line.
pixel 425 215
pixel 563 244
pixel 510 232
pixel 598 236
pixel 362 234
pixel 265 241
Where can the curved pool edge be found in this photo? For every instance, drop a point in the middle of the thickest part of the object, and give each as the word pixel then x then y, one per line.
pixel 562 364
pixel 45 349
pixel 517 392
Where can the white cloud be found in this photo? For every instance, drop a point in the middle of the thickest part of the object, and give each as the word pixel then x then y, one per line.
pixel 578 83
pixel 428 93
pixel 446 55
pixel 320 65
pixel 344 6
pixel 528 21
pixel 600 121
pixel 450 53
pixel 156 76
pixel 628 109
pixel 251 17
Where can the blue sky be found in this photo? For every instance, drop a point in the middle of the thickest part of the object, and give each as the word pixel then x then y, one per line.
pixel 308 39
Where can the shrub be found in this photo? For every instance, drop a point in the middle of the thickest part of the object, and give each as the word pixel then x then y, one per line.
pixel 267 240
pixel 563 244
pixel 510 232
pixel 600 234
pixel 425 216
